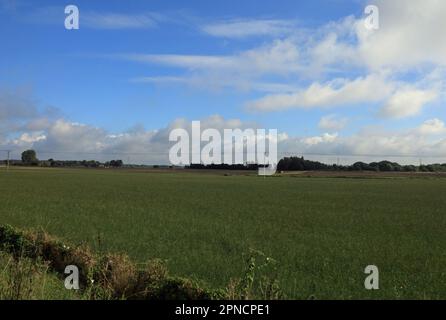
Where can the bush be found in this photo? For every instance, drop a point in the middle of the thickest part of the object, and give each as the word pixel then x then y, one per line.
pixel 110 276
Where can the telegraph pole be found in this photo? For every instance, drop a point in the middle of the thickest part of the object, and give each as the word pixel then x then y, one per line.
pixel 8 158
pixel 7 161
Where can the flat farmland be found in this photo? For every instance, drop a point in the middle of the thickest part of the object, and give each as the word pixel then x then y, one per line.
pixel 322 231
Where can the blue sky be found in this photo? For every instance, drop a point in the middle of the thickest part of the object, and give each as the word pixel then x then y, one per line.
pixel 69 69
pixel 306 68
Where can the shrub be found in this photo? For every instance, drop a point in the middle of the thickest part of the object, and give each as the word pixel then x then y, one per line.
pixel 110 276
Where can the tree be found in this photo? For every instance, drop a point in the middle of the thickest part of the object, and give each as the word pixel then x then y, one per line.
pixel 29 157
pixel 116 163
pixel 361 166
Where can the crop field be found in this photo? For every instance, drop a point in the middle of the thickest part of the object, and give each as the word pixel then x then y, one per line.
pixel 321 231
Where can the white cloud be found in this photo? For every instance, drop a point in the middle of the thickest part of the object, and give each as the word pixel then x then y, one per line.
pixel 407 102
pixel 334 93
pixel 94 19
pixel 332 122
pixel 387 63
pixel 197 81
pixel 279 58
pixel 29 138
pixel 66 140
pixel 410 34
pixel 118 20
pixel 63 139
pixel 427 142
pixel 244 71
pixel 399 98
pixel 345 63
pixel 192 62
pixel 326 137
pixel 19 112
pixel 249 28
pixel 432 127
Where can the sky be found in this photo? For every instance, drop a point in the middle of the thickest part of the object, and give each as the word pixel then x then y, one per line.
pixel 135 70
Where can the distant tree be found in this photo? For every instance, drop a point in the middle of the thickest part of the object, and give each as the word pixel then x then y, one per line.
pixel 29 157
pixel 385 166
pixel 299 163
pixel 360 166
pixel 116 163
pixel 409 168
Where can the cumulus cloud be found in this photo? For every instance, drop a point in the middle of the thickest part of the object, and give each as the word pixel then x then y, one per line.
pixel 426 141
pixel 29 139
pixel 432 127
pixel 346 63
pixel 16 104
pixel 407 102
pixel 408 35
pixel 19 111
pixel 326 137
pixel 397 69
pixel 63 139
pixel 67 140
pixel 399 99
pixel 334 93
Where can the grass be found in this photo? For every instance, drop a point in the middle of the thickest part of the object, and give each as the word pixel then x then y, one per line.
pixel 26 279
pixel 34 256
pixel 322 232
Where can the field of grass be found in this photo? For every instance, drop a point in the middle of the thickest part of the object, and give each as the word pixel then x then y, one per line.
pixel 322 232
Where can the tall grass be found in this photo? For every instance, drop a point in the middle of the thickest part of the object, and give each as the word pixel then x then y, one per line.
pixel 29 258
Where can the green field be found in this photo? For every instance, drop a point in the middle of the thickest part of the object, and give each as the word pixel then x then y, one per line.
pixel 323 232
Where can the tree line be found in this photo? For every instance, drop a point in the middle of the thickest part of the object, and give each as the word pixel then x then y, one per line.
pixel 224 166
pixel 301 164
pixel 29 158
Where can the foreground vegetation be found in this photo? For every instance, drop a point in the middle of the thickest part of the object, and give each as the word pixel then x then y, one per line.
pixel 33 267
pixel 26 279
pixel 322 232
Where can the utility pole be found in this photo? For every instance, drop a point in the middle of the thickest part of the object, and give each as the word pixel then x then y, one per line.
pixel 7 161
pixel 8 152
